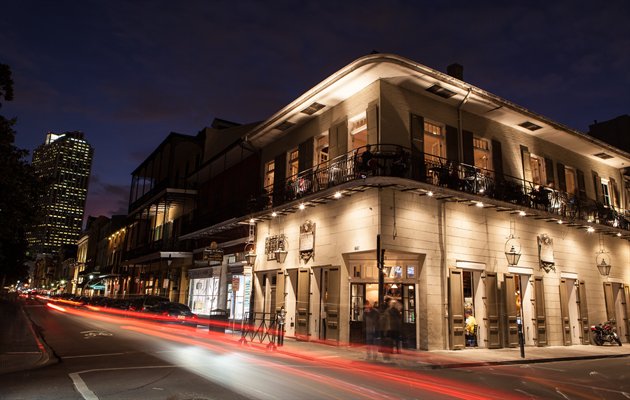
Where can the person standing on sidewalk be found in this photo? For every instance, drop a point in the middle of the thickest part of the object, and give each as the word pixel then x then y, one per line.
pixel 370 318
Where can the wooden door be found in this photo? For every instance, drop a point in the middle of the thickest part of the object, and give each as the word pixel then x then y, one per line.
pixel 302 314
pixel 332 303
pixel 583 309
pixel 456 309
pixel 564 313
pixel 610 303
pixel 280 291
pixel 492 310
pixel 626 308
pixel 540 319
pixel 512 312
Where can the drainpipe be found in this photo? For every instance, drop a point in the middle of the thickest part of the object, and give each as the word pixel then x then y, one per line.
pixel 460 139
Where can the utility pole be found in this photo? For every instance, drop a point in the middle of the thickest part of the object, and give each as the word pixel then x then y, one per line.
pixel 380 255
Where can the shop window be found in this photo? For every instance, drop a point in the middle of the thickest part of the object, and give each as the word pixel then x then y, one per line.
pixel 356 271
pixel 269 173
pixel 481 149
pixel 411 271
pixel 357 127
pixel 292 168
pixel 434 141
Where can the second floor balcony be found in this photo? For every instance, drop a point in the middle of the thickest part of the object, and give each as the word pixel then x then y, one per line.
pixel 451 179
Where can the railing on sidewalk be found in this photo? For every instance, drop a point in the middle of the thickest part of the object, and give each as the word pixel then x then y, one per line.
pixel 259 326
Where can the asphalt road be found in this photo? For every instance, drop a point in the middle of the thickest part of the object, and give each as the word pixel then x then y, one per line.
pixel 102 356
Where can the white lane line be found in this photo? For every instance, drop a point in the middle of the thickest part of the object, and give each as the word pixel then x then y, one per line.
pixel 85 391
pixel 93 355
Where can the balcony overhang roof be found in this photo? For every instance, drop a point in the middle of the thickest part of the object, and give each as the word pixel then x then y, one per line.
pixel 403 72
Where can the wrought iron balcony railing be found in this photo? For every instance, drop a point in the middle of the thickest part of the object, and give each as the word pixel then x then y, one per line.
pixel 396 161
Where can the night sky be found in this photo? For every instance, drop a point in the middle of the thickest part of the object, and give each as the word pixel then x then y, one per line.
pixel 127 73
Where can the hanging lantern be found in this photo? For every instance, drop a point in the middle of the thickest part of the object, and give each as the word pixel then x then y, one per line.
pixel 512 250
pixel 602 259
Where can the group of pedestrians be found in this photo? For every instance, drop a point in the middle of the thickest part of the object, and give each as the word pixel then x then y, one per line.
pixel 383 328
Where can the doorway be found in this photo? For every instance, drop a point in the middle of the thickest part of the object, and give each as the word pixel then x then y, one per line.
pixel 570 313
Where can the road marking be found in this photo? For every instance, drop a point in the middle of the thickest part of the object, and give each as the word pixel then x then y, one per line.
pixel 85 391
pixel 93 334
pixel 94 355
pixel 22 352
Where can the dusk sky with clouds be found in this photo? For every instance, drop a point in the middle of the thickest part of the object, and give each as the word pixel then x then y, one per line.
pixel 127 73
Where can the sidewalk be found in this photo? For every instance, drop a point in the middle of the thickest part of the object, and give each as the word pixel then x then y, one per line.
pixel 473 357
pixel 20 347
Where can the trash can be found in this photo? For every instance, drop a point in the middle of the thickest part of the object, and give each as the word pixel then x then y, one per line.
pixel 218 320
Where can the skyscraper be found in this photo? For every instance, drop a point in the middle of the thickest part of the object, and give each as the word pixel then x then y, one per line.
pixel 63 163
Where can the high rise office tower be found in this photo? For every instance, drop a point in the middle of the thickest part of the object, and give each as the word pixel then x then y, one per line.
pixel 63 163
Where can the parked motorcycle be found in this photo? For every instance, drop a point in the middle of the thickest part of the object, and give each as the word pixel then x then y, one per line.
pixel 605 333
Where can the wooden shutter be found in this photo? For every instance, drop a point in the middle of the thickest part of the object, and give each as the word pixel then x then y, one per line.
pixel 302 314
pixel 597 183
pixel 456 309
pixel 539 309
pixel 497 160
pixel 527 166
pixel 279 178
pixel 626 305
pixel 333 288
pixel 549 171
pixel 280 294
pixel 416 127
pixel 492 310
pixel 585 331
pixel 614 193
pixel 372 124
pixel 305 151
pixel 342 138
pixel 468 148
pixel 581 182
pixel 452 143
pixel 564 313
pixel 562 179
pixel 610 302
pixel 511 310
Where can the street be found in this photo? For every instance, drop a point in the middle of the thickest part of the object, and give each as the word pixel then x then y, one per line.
pixel 105 356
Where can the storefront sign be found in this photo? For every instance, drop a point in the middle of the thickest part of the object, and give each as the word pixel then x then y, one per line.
pixel 235 283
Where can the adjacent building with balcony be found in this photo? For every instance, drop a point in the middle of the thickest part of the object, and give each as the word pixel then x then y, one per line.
pixel 391 182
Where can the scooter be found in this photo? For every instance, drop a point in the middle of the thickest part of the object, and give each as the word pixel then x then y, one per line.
pixel 605 333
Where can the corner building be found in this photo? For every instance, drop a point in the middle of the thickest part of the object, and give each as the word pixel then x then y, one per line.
pixel 452 173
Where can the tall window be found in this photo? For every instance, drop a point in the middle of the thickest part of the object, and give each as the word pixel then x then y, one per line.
pixel 294 157
pixel 571 180
pixel 606 192
pixel 357 127
pixel 434 140
pixel 321 150
pixel 481 149
pixel 537 165
pixel 269 168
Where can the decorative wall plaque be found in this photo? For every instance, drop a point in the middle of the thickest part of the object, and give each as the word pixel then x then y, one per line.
pixel 307 241
pixel 545 252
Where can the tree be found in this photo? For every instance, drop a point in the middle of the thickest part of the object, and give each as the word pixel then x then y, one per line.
pixel 19 191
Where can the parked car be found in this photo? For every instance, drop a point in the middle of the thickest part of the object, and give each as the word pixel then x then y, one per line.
pixel 143 302
pixel 172 312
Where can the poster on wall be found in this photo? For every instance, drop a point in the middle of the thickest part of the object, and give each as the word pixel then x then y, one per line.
pixel 545 252
pixel 307 241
